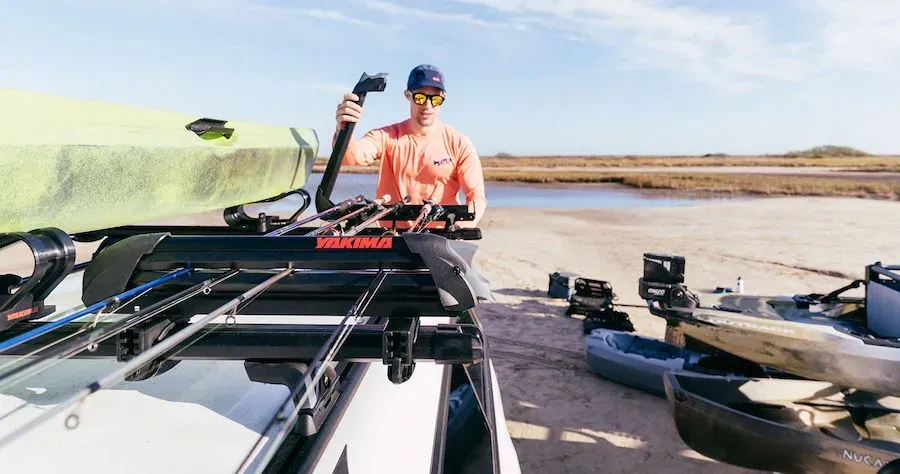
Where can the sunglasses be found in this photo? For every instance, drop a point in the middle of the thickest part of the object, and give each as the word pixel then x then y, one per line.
pixel 420 98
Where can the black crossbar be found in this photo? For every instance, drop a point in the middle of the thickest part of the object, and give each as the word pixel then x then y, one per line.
pixel 442 344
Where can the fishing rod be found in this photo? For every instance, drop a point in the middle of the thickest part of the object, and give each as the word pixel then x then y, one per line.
pixel 437 211
pixel 333 224
pixel 377 216
pixel 142 359
pixel 94 337
pixel 90 340
pixel 312 376
pixel 111 301
pixel 426 209
pixel 337 208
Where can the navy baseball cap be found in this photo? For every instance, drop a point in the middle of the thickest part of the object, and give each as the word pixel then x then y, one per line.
pixel 425 75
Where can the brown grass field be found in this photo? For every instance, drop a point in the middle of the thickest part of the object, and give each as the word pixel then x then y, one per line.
pixel 611 169
pixel 880 163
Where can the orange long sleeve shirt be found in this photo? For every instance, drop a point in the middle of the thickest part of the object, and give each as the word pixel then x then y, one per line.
pixel 435 166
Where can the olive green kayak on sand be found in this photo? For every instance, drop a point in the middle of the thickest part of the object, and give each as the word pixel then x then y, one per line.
pixel 81 165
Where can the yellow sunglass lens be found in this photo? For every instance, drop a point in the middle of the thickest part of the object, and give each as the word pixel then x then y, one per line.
pixel 420 99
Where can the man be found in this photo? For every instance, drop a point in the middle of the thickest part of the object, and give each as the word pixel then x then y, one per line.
pixel 421 156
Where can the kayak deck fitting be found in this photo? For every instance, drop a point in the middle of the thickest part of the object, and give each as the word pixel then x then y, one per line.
pixel 828 401
pixel 308 304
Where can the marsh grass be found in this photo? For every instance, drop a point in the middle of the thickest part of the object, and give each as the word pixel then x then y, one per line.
pixel 881 163
pixel 682 161
pixel 767 184
pixel 719 183
pixel 602 169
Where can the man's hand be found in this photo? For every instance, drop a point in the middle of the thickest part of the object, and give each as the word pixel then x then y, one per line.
pixel 349 111
pixel 478 209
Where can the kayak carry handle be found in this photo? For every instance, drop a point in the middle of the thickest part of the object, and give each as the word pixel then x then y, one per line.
pixel 208 128
pixel 366 84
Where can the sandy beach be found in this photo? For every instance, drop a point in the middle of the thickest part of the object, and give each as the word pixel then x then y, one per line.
pixel 562 418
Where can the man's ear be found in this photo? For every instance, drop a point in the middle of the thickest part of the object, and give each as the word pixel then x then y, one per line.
pixel 406 94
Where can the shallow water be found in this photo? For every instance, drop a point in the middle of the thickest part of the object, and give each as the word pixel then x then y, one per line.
pixel 569 196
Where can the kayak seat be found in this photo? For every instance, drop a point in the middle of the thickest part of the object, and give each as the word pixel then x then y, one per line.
pixel 646 347
pixel 883 307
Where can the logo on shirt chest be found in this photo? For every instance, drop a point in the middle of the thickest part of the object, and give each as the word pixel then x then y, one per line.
pixel 442 161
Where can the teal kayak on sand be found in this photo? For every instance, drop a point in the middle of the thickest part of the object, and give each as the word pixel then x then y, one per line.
pixel 81 165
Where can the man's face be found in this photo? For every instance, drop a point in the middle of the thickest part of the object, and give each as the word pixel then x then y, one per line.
pixel 424 114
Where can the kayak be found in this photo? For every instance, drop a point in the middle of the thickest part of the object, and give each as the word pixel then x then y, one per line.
pixel 826 341
pixel 632 360
pixel 849 341
pixel 784 426
pixel 641 362
pixel 81 165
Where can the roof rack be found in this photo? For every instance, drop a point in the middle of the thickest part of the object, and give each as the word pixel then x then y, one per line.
pixel 382 285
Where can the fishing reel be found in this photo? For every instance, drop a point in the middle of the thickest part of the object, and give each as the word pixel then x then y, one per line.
pixel 332 232
pixel 663 283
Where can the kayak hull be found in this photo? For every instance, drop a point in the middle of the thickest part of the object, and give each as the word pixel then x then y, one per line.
pixel 631 360
pixel 759 424
pixel 81 165
pixel 641 362
pixel 814 346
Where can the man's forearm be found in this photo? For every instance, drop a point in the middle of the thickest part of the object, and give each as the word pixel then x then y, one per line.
pixel 361 152
pixel 478 206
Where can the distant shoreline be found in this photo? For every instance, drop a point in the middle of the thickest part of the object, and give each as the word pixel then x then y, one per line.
pixel 833 157
pixel 872 177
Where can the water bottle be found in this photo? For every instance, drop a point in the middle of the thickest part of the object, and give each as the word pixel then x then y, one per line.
pixel 740 285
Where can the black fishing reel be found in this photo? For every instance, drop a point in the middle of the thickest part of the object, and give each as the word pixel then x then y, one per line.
pixel 663 283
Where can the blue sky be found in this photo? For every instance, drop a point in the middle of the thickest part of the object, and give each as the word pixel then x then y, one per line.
pixel 523 76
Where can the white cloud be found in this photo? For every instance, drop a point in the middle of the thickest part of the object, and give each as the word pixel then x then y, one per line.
pixel 860 34
pixel 467 18
pixel 334 15
pixel 240 11
pixel 329 87
pixel 724 49
pixel 728 49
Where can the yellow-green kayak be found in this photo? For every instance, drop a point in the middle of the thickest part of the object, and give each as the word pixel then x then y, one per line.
pixel 82 165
